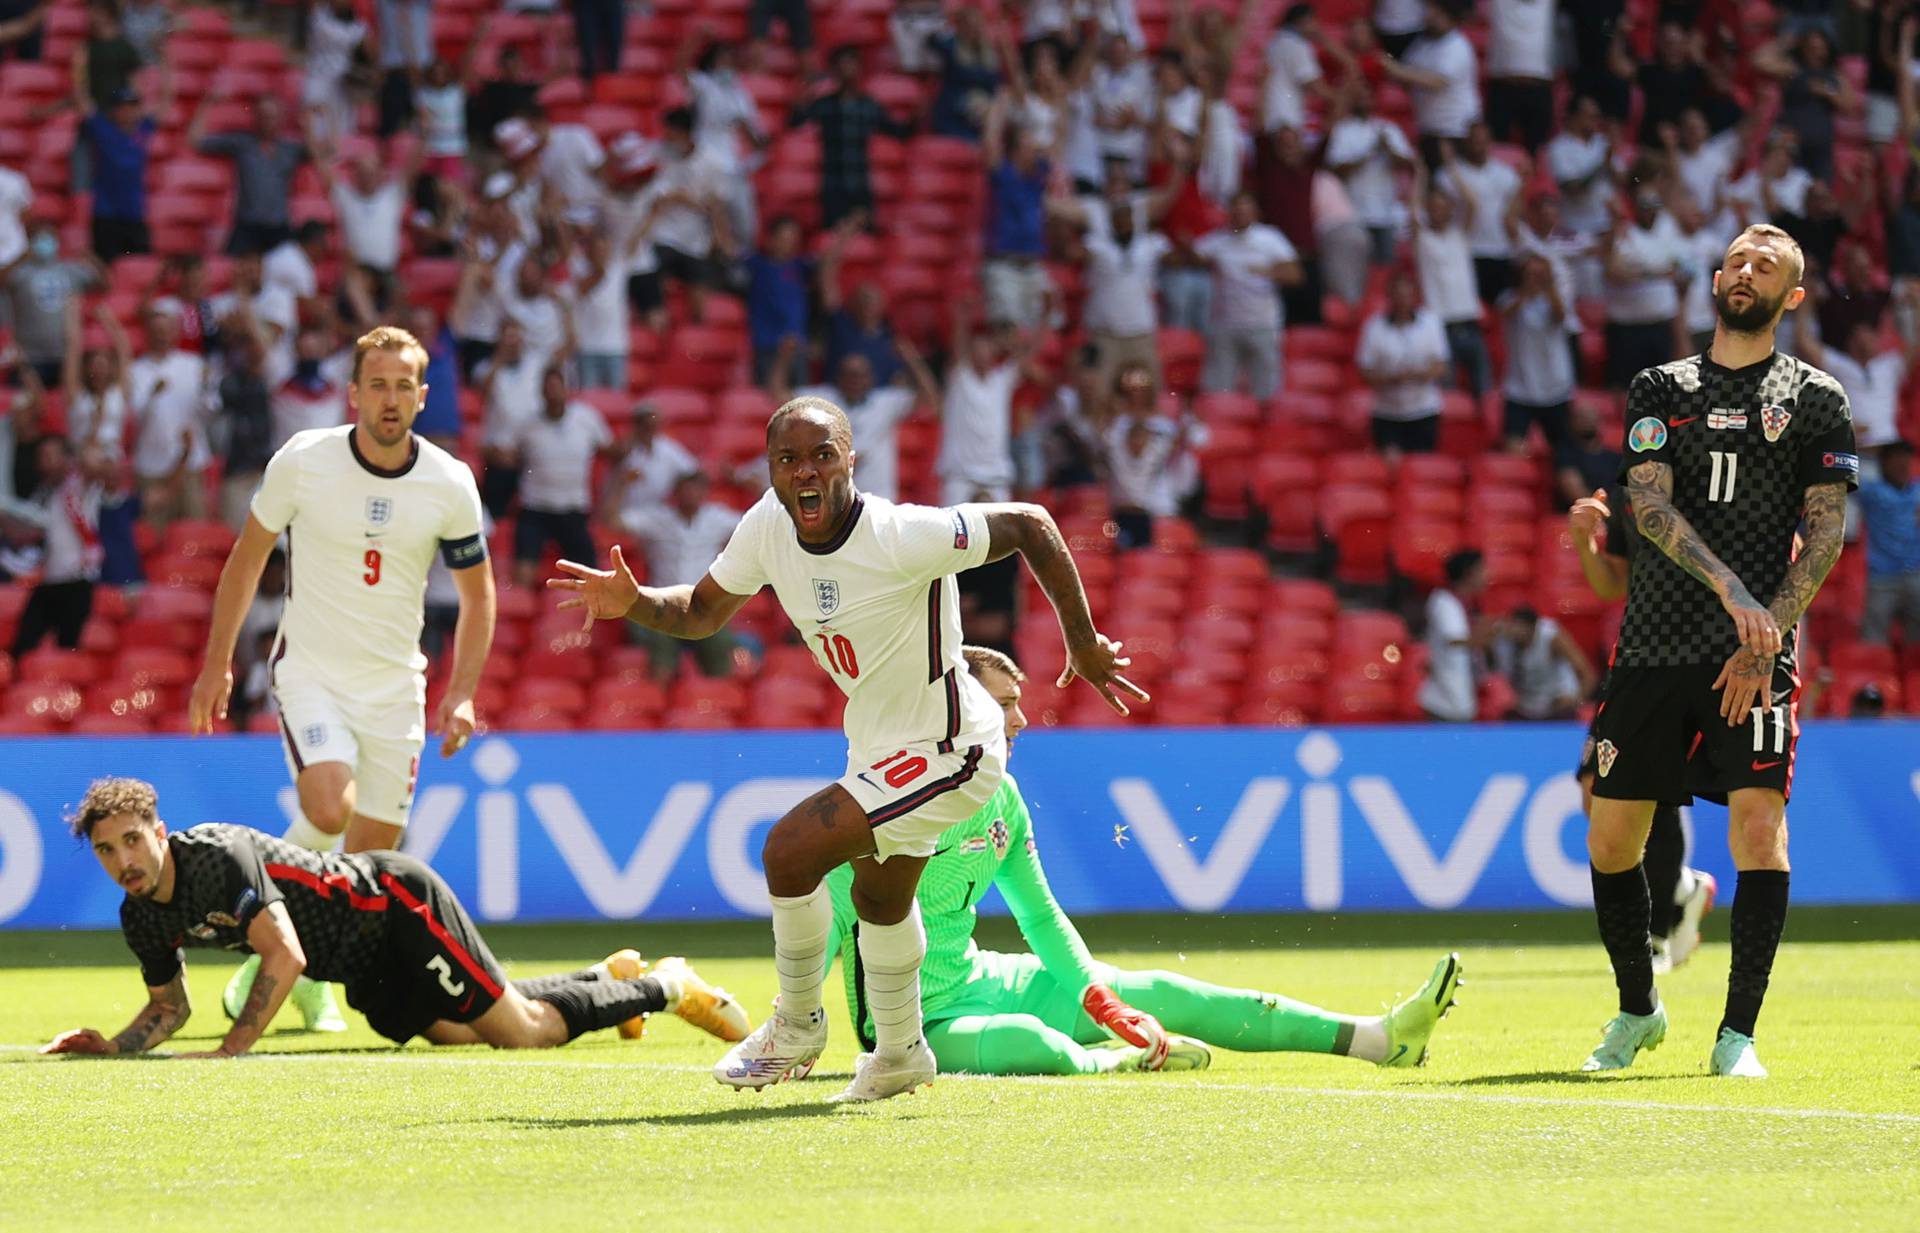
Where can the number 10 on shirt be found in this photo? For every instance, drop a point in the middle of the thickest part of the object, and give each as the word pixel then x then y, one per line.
pixel 838 652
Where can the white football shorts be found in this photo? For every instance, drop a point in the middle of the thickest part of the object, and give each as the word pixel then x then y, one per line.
pixel 914 793
pixel 381 741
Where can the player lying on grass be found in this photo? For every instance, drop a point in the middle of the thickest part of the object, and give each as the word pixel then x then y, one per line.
pixel 1058 1011
pixel 381 923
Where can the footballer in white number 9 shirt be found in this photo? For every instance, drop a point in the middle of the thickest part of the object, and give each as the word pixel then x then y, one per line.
pixel 365 507
pixel 869 585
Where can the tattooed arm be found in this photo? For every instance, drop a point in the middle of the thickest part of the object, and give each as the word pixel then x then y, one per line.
pixel 1650 492
pixel 166 1010
pixel 1747 674
pixel 282 961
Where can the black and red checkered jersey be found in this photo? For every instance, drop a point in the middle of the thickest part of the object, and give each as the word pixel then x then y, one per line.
pixel 1744 445
pixel 226 875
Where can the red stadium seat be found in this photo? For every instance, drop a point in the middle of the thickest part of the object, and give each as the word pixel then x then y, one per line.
pixel 1421 547
pixel 563 696
pixel 1358 520
pixel 52 665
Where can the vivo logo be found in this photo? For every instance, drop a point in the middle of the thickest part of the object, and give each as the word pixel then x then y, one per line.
pixel 619 887
pixel 1437 880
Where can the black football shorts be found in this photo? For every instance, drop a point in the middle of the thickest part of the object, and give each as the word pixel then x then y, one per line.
pixel 1659 736
pixel 435 965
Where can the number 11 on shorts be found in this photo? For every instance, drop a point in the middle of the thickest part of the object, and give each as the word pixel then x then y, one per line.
pixel 1760 715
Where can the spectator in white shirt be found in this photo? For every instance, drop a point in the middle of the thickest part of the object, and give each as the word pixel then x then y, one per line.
pixel 1141 457
pixel 976 416
pixel 1290 72
pixel 1701 160
pixel 1443 253
pixel 685 203
pixel 726 124
pixel 1403 355
pixel 99 403
pixel 1455 642
pixel 1443 74
pixel 1646 268
pixel 1121 316
pixel 681 539
pixel 371 205
pixel 569 162
pixel 1537 229
pixel 527 299
pixel 1520 68
pixel 69 515
pixel 597 301
pixel 1250 261
pixel 1773 190
pixel 1487 187
pixel 648 469
pixel 290 265
pixel 334 33
pixel 1870 373
pixel 1540 376
pixel 1121 97
pixel 510 387
pixel 166 388
pixel 1369 153
pixel 16 198
pixel 557 450
pixel 269 313
pixel 1547 669
pixel 874 412
pixel 307 399
pixel 1703 246
pixel 1580 159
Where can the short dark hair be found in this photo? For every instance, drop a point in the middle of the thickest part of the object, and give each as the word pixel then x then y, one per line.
pixel 109 798
pixel 1296 14
pixel 842 426
pixel 1899 445
pixel 312 229
pixel 1526 615
pixel 678 117
pixel 1462 563
pixel 985 657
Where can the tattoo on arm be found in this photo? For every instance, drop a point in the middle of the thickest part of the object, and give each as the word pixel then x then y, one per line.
pixel 1029 530
pixel 252 1016
pixel 1826 516
pixel 161 1017
pixel 1650 490
pixel 669 611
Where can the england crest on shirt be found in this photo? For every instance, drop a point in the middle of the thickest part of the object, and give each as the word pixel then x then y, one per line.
pixel 379 511
pixel 1773 422
pixel 826 596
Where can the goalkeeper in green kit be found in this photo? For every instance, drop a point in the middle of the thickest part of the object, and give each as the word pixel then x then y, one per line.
pixel 1059 1011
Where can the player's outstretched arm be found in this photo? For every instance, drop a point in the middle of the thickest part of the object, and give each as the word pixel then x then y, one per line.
pixel 1606 572
pixel 166 1011
pixel 1030 531
pixel 282 961
pixel 1650 494
pixel 1746 674
pixel 239 579
pixel 692 612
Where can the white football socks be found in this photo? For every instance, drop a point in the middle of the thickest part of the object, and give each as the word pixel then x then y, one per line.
pixel 891 955
pixel 1369 1042
pixel 306 835
pixel 801 924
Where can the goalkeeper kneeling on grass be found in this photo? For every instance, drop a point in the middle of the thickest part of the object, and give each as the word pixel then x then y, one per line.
pixel 1059 1011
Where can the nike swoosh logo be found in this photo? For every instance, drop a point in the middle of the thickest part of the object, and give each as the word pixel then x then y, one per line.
pixel 1677 423
pixel 942 851
pixel 1765 766
pixel 1398 1054
pixel 374 534
pixel 863 779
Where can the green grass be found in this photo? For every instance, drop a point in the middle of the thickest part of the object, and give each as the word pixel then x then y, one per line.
pixel 1493 1134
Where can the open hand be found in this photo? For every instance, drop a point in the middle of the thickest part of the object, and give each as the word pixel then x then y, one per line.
pixel 1097 663
pixel 603 594
pixel 80 1040
pixel 1742 680
pixel 1759 632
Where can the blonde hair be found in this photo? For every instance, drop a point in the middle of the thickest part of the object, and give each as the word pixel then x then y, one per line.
pixel 984 657
pixel 109 798
pixel 1795 259
pixel 390 338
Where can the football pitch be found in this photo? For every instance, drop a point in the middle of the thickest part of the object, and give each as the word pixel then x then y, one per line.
pixel 1495 1133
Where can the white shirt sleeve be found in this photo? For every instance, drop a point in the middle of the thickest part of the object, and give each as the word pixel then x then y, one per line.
pixel 463 540
pixel 274 502
pixel 1276 247
pixel 740 569
pixel 1368 353
pixel 929 542
pixel 1434 335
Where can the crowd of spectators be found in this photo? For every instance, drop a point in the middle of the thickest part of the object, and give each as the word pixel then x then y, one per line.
pixel 1520 201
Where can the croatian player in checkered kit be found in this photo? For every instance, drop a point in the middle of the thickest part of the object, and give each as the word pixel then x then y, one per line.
pixel 870 585
pixel 381 923
pixel 365 507
pixel 1727 453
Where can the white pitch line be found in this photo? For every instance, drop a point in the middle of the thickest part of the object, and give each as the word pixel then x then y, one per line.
pixel 420 1058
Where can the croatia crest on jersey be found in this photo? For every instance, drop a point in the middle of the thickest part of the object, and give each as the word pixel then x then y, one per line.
pixel 1604 754
pixel 999 837
pixel 826 596
pixel 379 511
pixel 1773 422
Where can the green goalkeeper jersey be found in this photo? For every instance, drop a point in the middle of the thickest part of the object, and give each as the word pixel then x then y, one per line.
pixel 994 847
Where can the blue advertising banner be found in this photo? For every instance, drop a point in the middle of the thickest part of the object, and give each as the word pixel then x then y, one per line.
pixel 669 825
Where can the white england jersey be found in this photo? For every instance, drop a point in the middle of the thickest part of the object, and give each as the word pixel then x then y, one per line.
pixel 879 608
pixel 360 540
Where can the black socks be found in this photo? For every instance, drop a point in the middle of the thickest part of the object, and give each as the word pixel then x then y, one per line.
pixel 1620 903
pixel 1666 849
pixel 540 986
pixel 1759 916
pixel 588 1005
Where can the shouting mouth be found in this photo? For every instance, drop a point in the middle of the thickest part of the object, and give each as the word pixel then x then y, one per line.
pixel 811 506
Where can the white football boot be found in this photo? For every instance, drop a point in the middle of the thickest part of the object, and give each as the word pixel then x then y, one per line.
pixel 777 1050
pixel 876 1077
